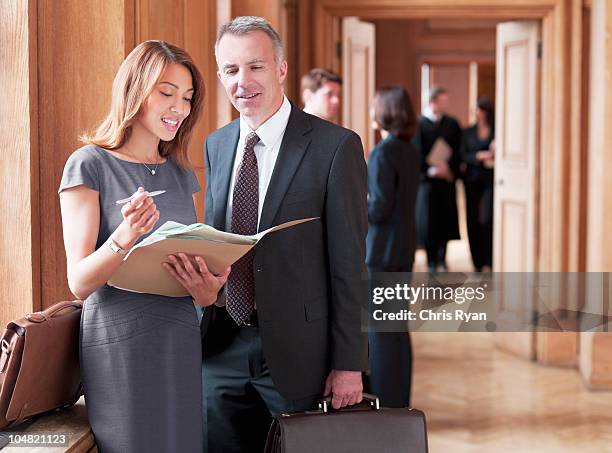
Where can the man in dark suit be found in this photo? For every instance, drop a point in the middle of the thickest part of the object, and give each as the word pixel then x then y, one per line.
pixel 286 329
pixel 436 208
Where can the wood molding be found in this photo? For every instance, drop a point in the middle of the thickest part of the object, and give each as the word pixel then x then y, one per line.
pixel 596 359
pixel 557 348
pixel 447 9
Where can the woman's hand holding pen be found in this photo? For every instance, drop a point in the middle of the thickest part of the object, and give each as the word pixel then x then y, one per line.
pixel 140 215
pixel 201 283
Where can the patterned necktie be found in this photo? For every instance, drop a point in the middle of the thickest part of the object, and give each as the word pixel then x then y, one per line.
pixel 245 204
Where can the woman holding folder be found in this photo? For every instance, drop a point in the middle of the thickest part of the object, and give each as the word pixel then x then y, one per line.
pixel 140 353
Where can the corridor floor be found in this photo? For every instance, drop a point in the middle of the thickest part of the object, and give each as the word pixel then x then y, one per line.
pixel 480 399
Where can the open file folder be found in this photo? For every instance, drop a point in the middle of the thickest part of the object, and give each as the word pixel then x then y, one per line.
pixel 142 269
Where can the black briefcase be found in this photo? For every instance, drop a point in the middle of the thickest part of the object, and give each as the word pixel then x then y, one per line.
pixel 354 430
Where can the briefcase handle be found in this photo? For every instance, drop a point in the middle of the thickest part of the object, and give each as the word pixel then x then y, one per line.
pixel 371 400
pixel 50 312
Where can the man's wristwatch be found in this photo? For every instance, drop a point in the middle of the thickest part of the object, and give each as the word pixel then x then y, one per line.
pixel 116 247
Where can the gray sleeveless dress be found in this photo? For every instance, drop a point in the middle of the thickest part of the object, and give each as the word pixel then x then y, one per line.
pixel 140 353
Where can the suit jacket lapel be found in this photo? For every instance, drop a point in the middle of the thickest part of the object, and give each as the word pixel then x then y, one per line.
pixel 294 145
pixel 226 153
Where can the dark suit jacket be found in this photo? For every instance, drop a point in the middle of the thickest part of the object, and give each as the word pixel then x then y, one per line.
pixel 437 215
pixel 309 285
pixel 393 181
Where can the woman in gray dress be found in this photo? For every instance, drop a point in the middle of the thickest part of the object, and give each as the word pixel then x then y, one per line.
pixel 140 353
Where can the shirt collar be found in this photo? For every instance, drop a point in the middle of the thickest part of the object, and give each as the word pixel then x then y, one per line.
pixel 274 127
pixel 429 114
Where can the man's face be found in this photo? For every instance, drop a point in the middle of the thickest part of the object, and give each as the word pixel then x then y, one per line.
pixel 325 102
pixel 252 79
pixel 440 104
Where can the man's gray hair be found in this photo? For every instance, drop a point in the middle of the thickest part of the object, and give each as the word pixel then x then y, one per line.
pixel 248 24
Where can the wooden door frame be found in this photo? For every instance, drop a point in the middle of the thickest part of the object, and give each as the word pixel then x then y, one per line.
pixel 561 207
pixel 560 244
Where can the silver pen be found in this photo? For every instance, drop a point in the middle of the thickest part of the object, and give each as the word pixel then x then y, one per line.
pixel 150 194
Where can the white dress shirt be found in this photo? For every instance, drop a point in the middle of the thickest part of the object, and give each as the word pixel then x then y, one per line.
pixel 430 115
pixel 266 150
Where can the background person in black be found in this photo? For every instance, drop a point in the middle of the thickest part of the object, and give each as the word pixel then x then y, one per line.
pixel 478 152
pixel 437 218
pixel 393 179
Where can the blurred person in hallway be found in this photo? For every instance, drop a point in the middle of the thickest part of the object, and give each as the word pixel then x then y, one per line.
pixel 321 89
pixel 438 138
pixel 478 153
pixel 393 180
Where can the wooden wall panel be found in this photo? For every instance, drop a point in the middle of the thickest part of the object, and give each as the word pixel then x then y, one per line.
pixel 80 46
pixel 596 348
pixel 169 26
pixel 192 26
pixel 456 79
pixel 270 9
pixel 19 227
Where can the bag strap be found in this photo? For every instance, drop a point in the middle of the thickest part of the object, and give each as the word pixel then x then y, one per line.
pixel 6 348
pixel 53 310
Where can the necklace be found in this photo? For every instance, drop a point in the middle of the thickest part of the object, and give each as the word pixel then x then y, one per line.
pixel 151 170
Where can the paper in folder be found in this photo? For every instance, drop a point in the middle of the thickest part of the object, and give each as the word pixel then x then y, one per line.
pixel 142 269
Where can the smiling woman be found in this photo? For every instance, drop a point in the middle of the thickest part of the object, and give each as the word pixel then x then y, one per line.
pixel 157 99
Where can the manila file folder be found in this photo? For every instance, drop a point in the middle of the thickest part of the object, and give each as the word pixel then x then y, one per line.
pixel 440 153
pixel 142 270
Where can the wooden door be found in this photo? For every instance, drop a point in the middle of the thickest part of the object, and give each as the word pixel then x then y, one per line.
pixel 516 173
pixel 358 66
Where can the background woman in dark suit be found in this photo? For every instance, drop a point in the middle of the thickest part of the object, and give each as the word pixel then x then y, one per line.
pixel 393 179
pixel 477 152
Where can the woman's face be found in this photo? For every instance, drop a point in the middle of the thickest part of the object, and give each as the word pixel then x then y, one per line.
pixel 169 103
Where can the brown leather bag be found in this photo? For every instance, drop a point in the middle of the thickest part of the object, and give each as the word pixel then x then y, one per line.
pixel 39 363
pixel 355 431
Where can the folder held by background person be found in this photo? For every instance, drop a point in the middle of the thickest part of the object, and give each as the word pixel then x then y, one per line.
pixel 440 153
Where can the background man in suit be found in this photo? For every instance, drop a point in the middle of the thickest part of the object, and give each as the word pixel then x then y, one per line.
pixel 321 89
pixel 288 329
pixel 437 217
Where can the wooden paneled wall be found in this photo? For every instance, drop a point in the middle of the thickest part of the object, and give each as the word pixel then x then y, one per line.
pixel 20 225
pixel 62 60
pixel 80 47
pixel 190 24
